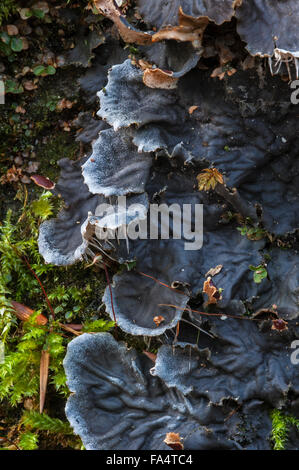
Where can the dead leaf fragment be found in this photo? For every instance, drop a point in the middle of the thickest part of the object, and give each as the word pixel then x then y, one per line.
pixel 64 104
pixel 213 271
pixel 158 320
pixel 174 441
pixel 211 291
pixel 12 30
pixel 192 109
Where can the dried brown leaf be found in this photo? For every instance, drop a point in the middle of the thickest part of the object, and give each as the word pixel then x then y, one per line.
pixel 158 319
pixel 211 291
pixel 213 271
pixel 174 441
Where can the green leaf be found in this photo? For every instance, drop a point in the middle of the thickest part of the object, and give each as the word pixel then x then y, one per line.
pixel 39 70
pixel 38 13
pixel 16 44
pixel 50 70
pixel 12 86
pixel 4 37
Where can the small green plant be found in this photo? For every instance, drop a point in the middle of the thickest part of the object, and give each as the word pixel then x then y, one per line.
pixel 34 424
pixel 27 13
pixel 13 87
pixel 70 294
pixel 252 233
pixel 99 326
pixel 10 44
pixel 259 273
pixel 42 70
pixel 281 425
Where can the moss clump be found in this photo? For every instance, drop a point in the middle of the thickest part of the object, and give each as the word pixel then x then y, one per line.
pixel 281 425
pixel 7 8
pixel 62 145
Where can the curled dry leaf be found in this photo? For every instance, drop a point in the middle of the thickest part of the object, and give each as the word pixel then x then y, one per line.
pixel 212 292
pixel 13 175
pixel 127 32
pixel 42 181
pixel 192 109
pixel 213 271
pixel 174 441
pixel 159 319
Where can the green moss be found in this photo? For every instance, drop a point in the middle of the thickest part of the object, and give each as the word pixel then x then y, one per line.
pixel 62 145
pixel 281 425
pixel 7 8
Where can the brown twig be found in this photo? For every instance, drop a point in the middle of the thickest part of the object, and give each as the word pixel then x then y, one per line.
pixel 40 283
pixel 209 314
pixel 162 283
